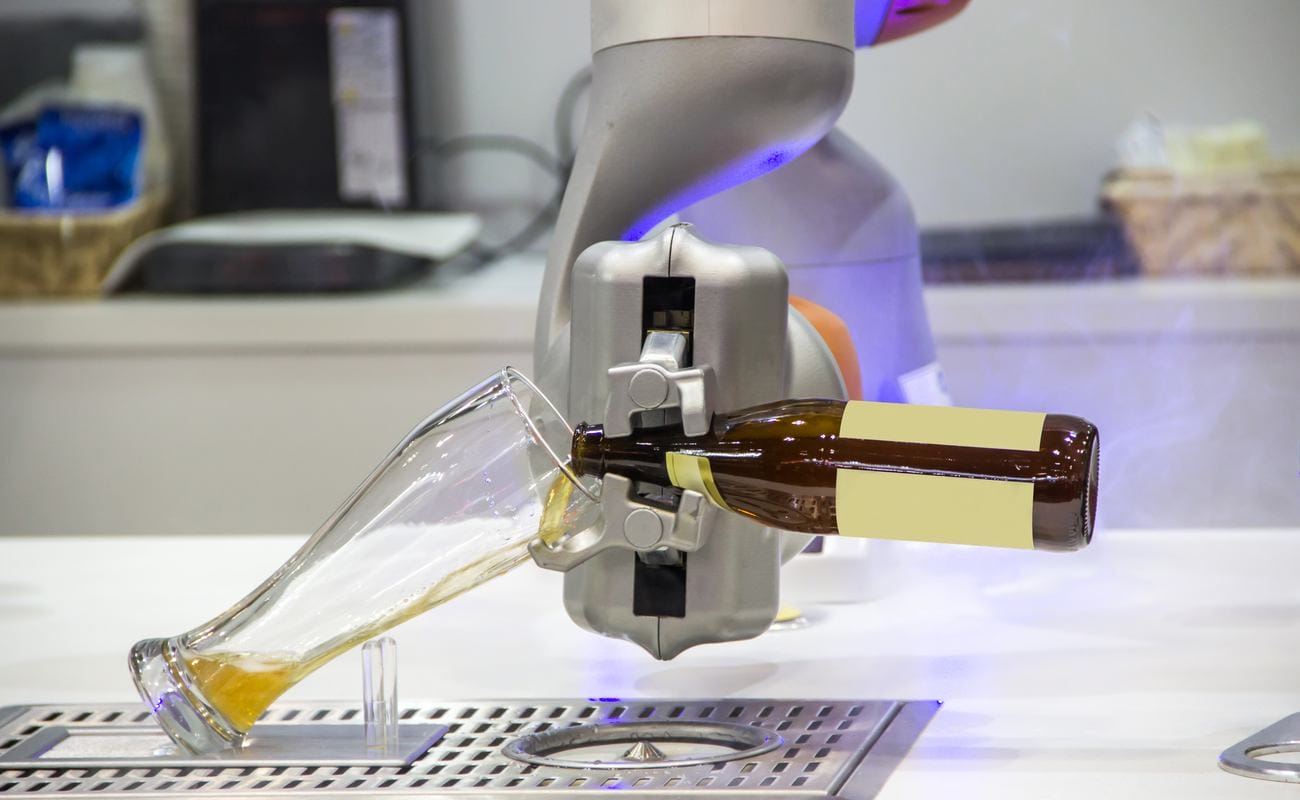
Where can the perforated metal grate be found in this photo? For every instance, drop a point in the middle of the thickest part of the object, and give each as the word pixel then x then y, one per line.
pixel 825 742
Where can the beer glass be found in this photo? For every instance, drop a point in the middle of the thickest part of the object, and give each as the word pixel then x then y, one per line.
pixel 455 504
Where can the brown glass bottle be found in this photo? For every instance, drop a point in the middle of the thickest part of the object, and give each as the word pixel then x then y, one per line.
pixel 880 470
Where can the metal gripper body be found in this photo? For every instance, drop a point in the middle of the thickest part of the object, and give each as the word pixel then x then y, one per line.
pixel 728 306
pixel 687 99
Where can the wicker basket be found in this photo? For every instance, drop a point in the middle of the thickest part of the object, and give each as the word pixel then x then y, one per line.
pixel 68 255
pixel 1210 225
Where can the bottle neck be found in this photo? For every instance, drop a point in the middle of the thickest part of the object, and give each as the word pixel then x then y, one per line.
pixel 588 450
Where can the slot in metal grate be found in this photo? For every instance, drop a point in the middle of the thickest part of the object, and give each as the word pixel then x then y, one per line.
pixel 827 741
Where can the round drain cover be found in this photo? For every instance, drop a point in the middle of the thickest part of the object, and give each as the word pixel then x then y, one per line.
pixel 642 745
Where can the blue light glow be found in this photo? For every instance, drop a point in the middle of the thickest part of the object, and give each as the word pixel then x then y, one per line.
pixel 716 183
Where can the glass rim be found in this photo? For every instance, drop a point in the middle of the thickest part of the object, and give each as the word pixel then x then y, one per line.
pixel 511 374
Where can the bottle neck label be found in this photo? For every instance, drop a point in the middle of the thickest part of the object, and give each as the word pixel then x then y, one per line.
pixel 695 474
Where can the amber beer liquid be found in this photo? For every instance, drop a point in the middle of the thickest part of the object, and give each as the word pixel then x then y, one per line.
pixel 878 470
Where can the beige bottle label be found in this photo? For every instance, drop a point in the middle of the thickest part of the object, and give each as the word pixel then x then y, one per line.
pixel 694 473
pixel 944 425
pixel 937 508
pixel 934 508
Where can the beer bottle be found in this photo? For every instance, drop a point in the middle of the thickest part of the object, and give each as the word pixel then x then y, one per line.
pixel 879 470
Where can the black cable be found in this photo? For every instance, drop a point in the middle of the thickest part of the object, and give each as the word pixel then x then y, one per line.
pixel 458 145
pixel 560 167
pixel 565 141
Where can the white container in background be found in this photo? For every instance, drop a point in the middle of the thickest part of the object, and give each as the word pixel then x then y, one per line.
pixel 119 74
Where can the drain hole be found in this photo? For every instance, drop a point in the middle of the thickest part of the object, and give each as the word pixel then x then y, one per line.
pixel 29 730
pixel 802 739
pixel 67 787
pixel 112 717
pixel 676 712
pixel 646 712
pixel 736 712
pixel 707 712
pixel 768 781
pixel 386 783
pixel 320 715
pixel 408 713
pixel 438 713
pixel 765 712
pixel 736 782
pixel 557 712
pixel 466 714
pixel 141 717
pixel 50 717
pixel 349 714
pixel 834 738
pixel 164 786
pixel 855 711
pixel 229 785
pixel 101 786
pixel 799 781
pixel 794 712
pixel 825 711
pixel 82 717
pixel 9 744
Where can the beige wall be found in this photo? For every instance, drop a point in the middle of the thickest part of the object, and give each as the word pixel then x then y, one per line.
pixel 1008 113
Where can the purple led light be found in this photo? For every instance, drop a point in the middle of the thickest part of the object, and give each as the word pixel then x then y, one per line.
pixel 718 182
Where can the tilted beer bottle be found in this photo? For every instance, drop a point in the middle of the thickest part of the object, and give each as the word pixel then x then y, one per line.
pixel 879 470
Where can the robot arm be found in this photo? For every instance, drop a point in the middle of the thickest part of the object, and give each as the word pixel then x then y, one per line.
pixel 689 99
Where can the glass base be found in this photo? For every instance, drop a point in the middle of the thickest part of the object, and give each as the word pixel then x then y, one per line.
pixel 177 706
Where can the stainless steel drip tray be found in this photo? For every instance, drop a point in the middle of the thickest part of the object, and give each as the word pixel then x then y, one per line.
pixel 269 745
pixel 508 748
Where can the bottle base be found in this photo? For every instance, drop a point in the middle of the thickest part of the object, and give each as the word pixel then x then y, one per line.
pixel 176 705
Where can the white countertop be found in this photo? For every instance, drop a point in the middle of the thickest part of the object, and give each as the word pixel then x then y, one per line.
pixel 1118 672
pixel 496 305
